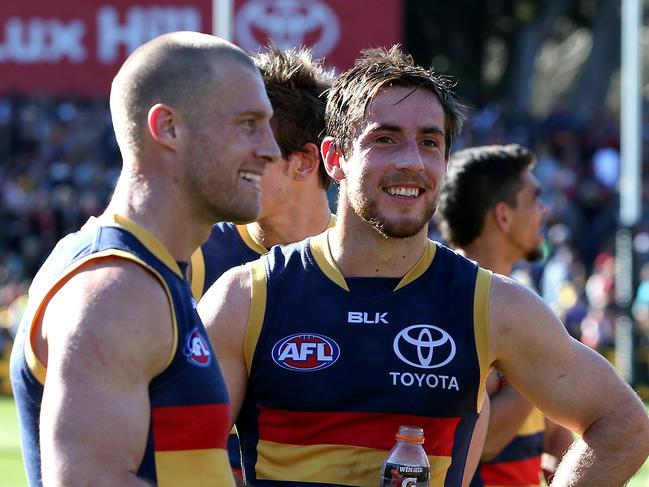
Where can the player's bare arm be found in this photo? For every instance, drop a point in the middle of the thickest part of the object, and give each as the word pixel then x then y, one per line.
pixel 571 384
pixel 509 410
pixel 224 310
pixel 104 347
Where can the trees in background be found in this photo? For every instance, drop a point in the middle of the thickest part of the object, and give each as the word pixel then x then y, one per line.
pixel 529 55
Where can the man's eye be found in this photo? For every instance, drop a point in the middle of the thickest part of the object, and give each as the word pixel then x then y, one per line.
pixel 383 139
pixel 250 124
pixel 429 143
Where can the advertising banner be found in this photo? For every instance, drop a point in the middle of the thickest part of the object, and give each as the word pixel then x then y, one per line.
pixel 74 47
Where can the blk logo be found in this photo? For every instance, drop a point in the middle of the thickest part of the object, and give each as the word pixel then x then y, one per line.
pixel 424 346
pixel 305 352
pixel 366 318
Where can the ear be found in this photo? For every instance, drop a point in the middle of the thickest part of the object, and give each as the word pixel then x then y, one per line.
pixel 501 214
pixel 306 160
pixel 162 122
pixel 332 159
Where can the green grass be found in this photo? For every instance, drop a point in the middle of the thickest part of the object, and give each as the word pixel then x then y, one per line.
pixel 11 467
pixel 11 463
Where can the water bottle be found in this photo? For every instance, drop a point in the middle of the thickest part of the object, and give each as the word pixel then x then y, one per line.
pixel 407 464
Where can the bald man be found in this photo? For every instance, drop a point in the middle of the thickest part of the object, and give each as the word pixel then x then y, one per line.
pixel 115 380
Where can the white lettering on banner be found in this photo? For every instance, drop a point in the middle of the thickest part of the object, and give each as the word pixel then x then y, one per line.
pixel 433 381
pixel 38 40
pixel 142 24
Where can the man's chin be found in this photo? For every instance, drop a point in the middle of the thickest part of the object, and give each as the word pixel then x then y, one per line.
pixel 241 216
pixel 398 229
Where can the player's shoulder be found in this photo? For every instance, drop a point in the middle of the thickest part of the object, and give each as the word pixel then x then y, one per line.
pixel 108 301
pixel 512 304
pixel 117 279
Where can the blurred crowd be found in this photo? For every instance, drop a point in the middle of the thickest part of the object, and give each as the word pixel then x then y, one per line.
pixel 59 163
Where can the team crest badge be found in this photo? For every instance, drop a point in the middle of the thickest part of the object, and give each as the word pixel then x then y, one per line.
pixel 197 350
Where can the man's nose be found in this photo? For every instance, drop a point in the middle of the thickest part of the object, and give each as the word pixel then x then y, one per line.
pixel 410 157
pixel 268 149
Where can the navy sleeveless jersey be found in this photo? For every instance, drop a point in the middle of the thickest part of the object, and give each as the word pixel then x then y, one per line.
pixel 333 372
pixel 228 246
pixel 189 405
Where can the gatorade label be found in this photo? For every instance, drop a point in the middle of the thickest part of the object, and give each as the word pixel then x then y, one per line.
pixel 395 475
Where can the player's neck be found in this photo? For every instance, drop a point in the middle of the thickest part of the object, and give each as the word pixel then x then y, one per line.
pixel 490 254
pixel 360 251
pixel 306 217
pixel 160 209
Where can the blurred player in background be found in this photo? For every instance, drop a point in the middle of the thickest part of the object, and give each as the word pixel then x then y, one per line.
pixel 294 201
pixel 114 377
pixel 490 210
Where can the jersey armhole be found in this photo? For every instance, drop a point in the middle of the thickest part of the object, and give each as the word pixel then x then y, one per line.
pixel 258 295
pixel 36 367
pixel 481 328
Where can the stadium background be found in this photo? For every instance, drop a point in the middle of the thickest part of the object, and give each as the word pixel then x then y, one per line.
pixel 543 73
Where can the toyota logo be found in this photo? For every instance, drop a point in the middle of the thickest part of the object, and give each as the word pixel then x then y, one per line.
pixel 424 346
pixel 289 23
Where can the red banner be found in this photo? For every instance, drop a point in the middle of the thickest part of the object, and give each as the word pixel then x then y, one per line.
pixel 74 47
pixel 335 29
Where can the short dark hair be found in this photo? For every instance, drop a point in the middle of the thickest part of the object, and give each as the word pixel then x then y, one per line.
pixel 177 69
pixel 296 85
pixel 374 69
pixel 478 179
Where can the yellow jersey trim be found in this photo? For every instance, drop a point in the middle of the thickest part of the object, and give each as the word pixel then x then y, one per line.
pixel 534 423
pixel 198 274
pixel 147 239
pixel 257 310
pixel 420 267
pixel 332 222
pixel 322 253
pixel 320 249
pixel 481 327
pixel 249 240
pixel 37 368
pixel 331 464
pixel 205 468
pixel 257 246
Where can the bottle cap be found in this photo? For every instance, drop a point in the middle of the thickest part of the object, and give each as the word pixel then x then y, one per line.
pixel 413 434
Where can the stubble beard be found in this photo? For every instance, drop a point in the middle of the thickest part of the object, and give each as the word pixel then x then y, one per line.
pixel 369 212
pixel 215 197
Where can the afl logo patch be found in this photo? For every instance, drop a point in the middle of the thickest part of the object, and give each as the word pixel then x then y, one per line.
pixel 306 352
pixel 197 350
